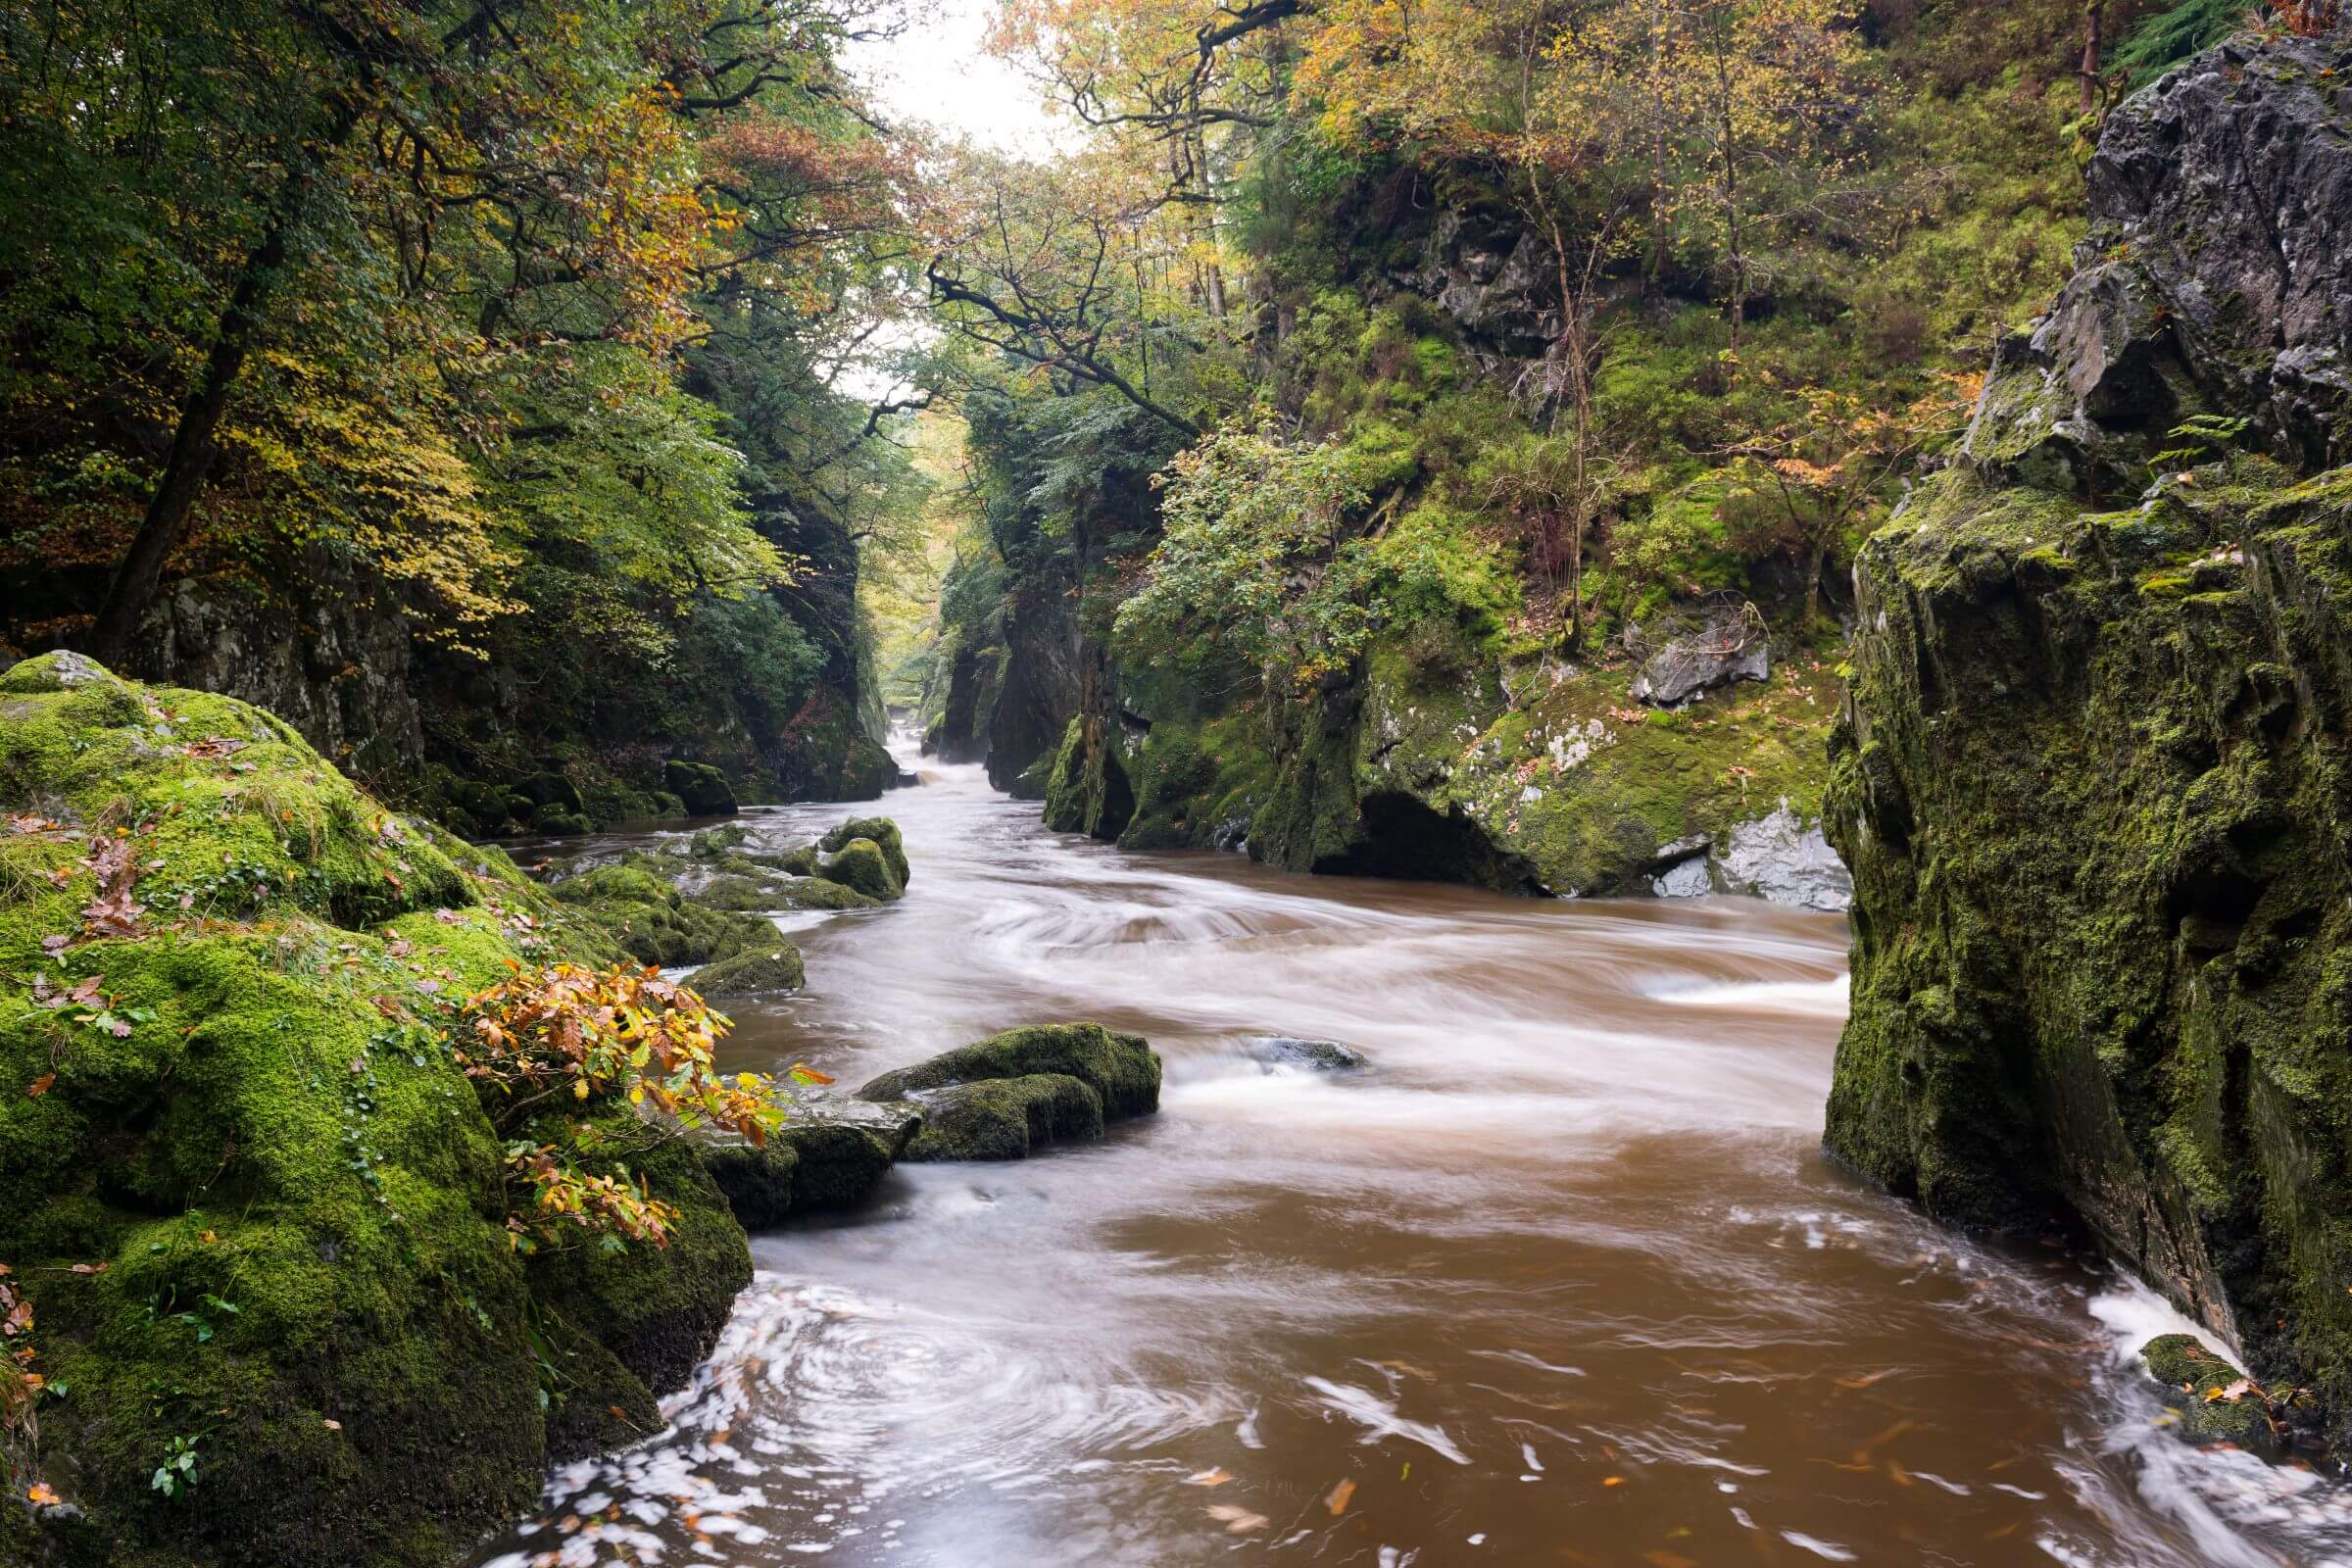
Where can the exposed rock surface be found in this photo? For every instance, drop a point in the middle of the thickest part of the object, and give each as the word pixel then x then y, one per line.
pixel 1274 1052
pixel 2090 777
pixel 1722 654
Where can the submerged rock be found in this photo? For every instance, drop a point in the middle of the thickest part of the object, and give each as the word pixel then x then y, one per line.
pixel 1319 1056
pixel 1004 1095
pixel 2212 1400
pixel 776 968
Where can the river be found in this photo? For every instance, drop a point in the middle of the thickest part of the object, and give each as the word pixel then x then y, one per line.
pixel 1561 1277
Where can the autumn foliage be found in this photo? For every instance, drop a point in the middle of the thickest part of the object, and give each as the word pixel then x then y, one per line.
pixel 549 1043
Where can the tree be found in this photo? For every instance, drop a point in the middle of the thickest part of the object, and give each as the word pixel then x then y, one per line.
pixel 1832 458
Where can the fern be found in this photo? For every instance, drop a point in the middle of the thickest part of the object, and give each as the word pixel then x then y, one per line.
pixel 2174 34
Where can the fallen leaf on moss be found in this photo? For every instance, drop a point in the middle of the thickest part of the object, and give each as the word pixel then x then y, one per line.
pixel 41 1085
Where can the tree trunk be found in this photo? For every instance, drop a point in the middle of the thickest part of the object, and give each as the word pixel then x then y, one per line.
pixel 2090 54
pixel 193 447
pixel 1817 550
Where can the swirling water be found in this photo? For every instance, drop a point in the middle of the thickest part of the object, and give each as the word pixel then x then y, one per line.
pixel 1561 1277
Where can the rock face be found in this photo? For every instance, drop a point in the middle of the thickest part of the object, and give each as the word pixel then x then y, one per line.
pixel 2090 779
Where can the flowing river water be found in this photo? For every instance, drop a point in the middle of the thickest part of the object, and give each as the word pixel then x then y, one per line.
pixel 1562 1277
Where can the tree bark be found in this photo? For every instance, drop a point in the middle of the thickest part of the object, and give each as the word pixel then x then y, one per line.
pixel 2090 54
pixel 194 448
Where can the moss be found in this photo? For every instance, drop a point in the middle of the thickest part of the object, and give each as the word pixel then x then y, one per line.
pixel 2096 835
pixel 1122 1070
pixel 882 832
pixel 645 916
pixel 1005 1118
pixel 2197 1387
pixel 862 866
pixel 776 968
pixel 289 1199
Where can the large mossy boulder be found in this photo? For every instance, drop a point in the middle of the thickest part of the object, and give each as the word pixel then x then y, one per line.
pixel 1005 1118
pixel 704 789
pixel 861 867
pixel 1001 1097
pixel 882 832
pixel 643 915
pixel 254 1208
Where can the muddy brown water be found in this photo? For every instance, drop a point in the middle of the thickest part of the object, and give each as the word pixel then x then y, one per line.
pixel 1561 1277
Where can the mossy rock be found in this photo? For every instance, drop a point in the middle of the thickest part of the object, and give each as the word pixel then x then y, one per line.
pixel 777 968
pixel 1005 1118
pixel 860 864
pixel 653 923
pixel 817 893
pixel 829 1155
pixel 2197 1386
pixel 1122 1070
pixel 882 832
pixel 285 1195
pixel 704 788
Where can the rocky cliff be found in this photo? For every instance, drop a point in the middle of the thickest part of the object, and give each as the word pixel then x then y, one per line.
pixel 2090 775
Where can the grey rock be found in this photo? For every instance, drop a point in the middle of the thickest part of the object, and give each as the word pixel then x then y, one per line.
pixel 2214 275
pixel 1786 860
pixel 1724 653
pixel 1274 1052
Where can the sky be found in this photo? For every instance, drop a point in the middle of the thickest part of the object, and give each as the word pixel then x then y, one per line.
pixel 940 72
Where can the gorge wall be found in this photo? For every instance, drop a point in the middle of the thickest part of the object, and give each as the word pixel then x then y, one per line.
pixel 2091 776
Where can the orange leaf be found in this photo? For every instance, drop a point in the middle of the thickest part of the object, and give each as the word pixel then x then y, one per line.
pixel 41 1496
pixel 40 1086
pixel 1207 1478
pixel 1337 1502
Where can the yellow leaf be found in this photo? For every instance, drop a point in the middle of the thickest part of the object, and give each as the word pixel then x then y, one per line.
pixel 1337 1502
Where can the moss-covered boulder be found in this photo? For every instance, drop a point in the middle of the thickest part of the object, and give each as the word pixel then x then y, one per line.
pixel 2208 1398
pixel 882 832
pixel 1005 1118
pixel 1121 1070
pixel 252 1205
pixel 763 969
pixel 704 789
pixel 643 915
pixel 861 865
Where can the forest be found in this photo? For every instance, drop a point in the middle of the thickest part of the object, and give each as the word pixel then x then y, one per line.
pixel 577 574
